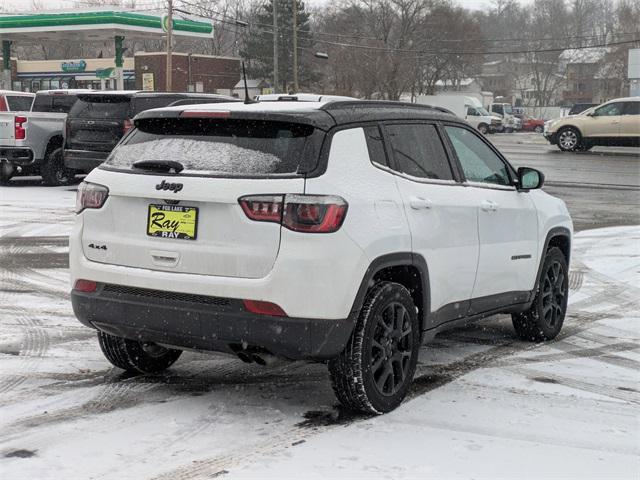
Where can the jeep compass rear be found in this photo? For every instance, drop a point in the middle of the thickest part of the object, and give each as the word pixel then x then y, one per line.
pixel 339 231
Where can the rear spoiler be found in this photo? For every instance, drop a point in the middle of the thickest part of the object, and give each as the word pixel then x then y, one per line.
pixel 315 118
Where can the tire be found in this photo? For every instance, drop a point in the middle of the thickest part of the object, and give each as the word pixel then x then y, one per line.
pixel 4 178
pixel 483 128
pixel 136 357
pixel 538 129
pixel 6 172
pixel 374 372
pixel 53 171
pixel 569 139
pixel 508 130
pixel 544 319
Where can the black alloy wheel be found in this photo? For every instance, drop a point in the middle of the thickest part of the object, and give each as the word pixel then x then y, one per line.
pixel 391 349
pixel 545 317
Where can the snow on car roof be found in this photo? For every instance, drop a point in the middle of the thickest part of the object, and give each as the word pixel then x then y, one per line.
pixel 251 107
pixel 15 92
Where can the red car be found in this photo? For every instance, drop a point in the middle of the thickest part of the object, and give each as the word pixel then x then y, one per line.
pixel 532 125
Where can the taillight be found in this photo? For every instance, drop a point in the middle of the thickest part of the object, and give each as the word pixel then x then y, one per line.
pixel 87 286
pixel 20 131
pixel 128 125
pixel 300 213
pixel 263 308
pixel 314 213
pixel 262 208
pixel 90 195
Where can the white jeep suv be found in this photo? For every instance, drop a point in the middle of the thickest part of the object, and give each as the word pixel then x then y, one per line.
pixel 340 231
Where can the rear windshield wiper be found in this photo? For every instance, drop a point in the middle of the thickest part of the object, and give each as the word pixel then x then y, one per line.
pixel 159 165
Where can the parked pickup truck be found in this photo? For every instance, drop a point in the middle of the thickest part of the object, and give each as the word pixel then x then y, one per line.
pixel 31 141
pixel 12 101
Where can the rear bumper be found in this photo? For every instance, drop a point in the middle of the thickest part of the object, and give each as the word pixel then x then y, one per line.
pixel 85 160
pixel 16 155
pixel 206 323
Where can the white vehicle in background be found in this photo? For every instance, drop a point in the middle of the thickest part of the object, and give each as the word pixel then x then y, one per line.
pixel 509 120
pixel 467 108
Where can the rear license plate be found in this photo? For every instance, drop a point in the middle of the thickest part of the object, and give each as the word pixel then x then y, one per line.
pixel 172 221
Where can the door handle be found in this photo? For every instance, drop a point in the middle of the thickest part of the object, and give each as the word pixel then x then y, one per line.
pixel 420 203
pixel 488 206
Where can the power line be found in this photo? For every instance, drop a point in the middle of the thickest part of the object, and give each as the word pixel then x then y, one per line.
pixel 317 32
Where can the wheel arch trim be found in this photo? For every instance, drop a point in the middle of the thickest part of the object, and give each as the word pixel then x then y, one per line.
pixel 554 232
pixel 398 259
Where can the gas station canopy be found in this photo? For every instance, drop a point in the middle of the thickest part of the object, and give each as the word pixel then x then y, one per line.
pixel 95 26
pixel 91 25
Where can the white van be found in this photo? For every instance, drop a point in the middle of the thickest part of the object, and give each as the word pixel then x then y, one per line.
pixel 468 108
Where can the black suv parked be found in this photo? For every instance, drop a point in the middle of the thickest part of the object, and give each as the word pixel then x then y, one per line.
pixel 98 121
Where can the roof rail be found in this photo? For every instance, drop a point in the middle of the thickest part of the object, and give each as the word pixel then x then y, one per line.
pixel 381 103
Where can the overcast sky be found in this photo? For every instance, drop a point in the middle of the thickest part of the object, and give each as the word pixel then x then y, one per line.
pixel 20 5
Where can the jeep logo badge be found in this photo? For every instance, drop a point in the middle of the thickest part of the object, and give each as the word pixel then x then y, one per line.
pixel 174 187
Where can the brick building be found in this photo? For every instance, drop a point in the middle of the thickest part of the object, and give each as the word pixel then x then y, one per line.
pixel 197 73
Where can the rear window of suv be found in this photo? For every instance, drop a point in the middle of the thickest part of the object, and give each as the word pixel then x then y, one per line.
pixel 97 107
pixel 221 147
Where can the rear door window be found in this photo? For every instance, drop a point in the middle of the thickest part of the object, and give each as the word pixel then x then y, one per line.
pixel 19 103
pixel 221 147
pixel 418 151
pixel 101 107
pixel 632 108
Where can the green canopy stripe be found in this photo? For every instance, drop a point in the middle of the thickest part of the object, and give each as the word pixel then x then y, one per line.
pixel 99 18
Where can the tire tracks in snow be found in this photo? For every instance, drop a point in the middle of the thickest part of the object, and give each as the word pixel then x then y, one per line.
pixel 33 346
pixel 431 377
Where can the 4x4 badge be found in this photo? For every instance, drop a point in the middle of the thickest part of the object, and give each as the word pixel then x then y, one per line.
pixel 174 187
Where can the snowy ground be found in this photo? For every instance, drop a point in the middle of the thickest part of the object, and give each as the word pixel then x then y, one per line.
pixel 484 405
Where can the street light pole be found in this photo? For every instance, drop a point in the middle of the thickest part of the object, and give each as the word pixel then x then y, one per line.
pixel 169 72
pixel 275 46
pixel 295 46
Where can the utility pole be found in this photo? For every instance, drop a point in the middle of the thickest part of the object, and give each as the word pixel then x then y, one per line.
pixel 275 46
pixel 169 72
pixel 295 46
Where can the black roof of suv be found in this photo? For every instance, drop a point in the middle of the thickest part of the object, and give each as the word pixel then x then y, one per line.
pixel 323 115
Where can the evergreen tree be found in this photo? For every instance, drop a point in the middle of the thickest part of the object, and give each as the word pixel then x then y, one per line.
pixel 258 46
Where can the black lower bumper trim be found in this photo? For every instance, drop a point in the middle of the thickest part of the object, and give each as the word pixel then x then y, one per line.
pixel 185 322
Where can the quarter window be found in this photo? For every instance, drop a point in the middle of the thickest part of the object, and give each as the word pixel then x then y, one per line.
pixel 375 146
pixel 479 163
pixel 418 151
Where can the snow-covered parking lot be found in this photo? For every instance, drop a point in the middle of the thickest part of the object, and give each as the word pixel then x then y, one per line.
pixel 484 405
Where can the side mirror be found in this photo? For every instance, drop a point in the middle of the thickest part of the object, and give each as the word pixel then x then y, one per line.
pixel 529 179
pixel 590 114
